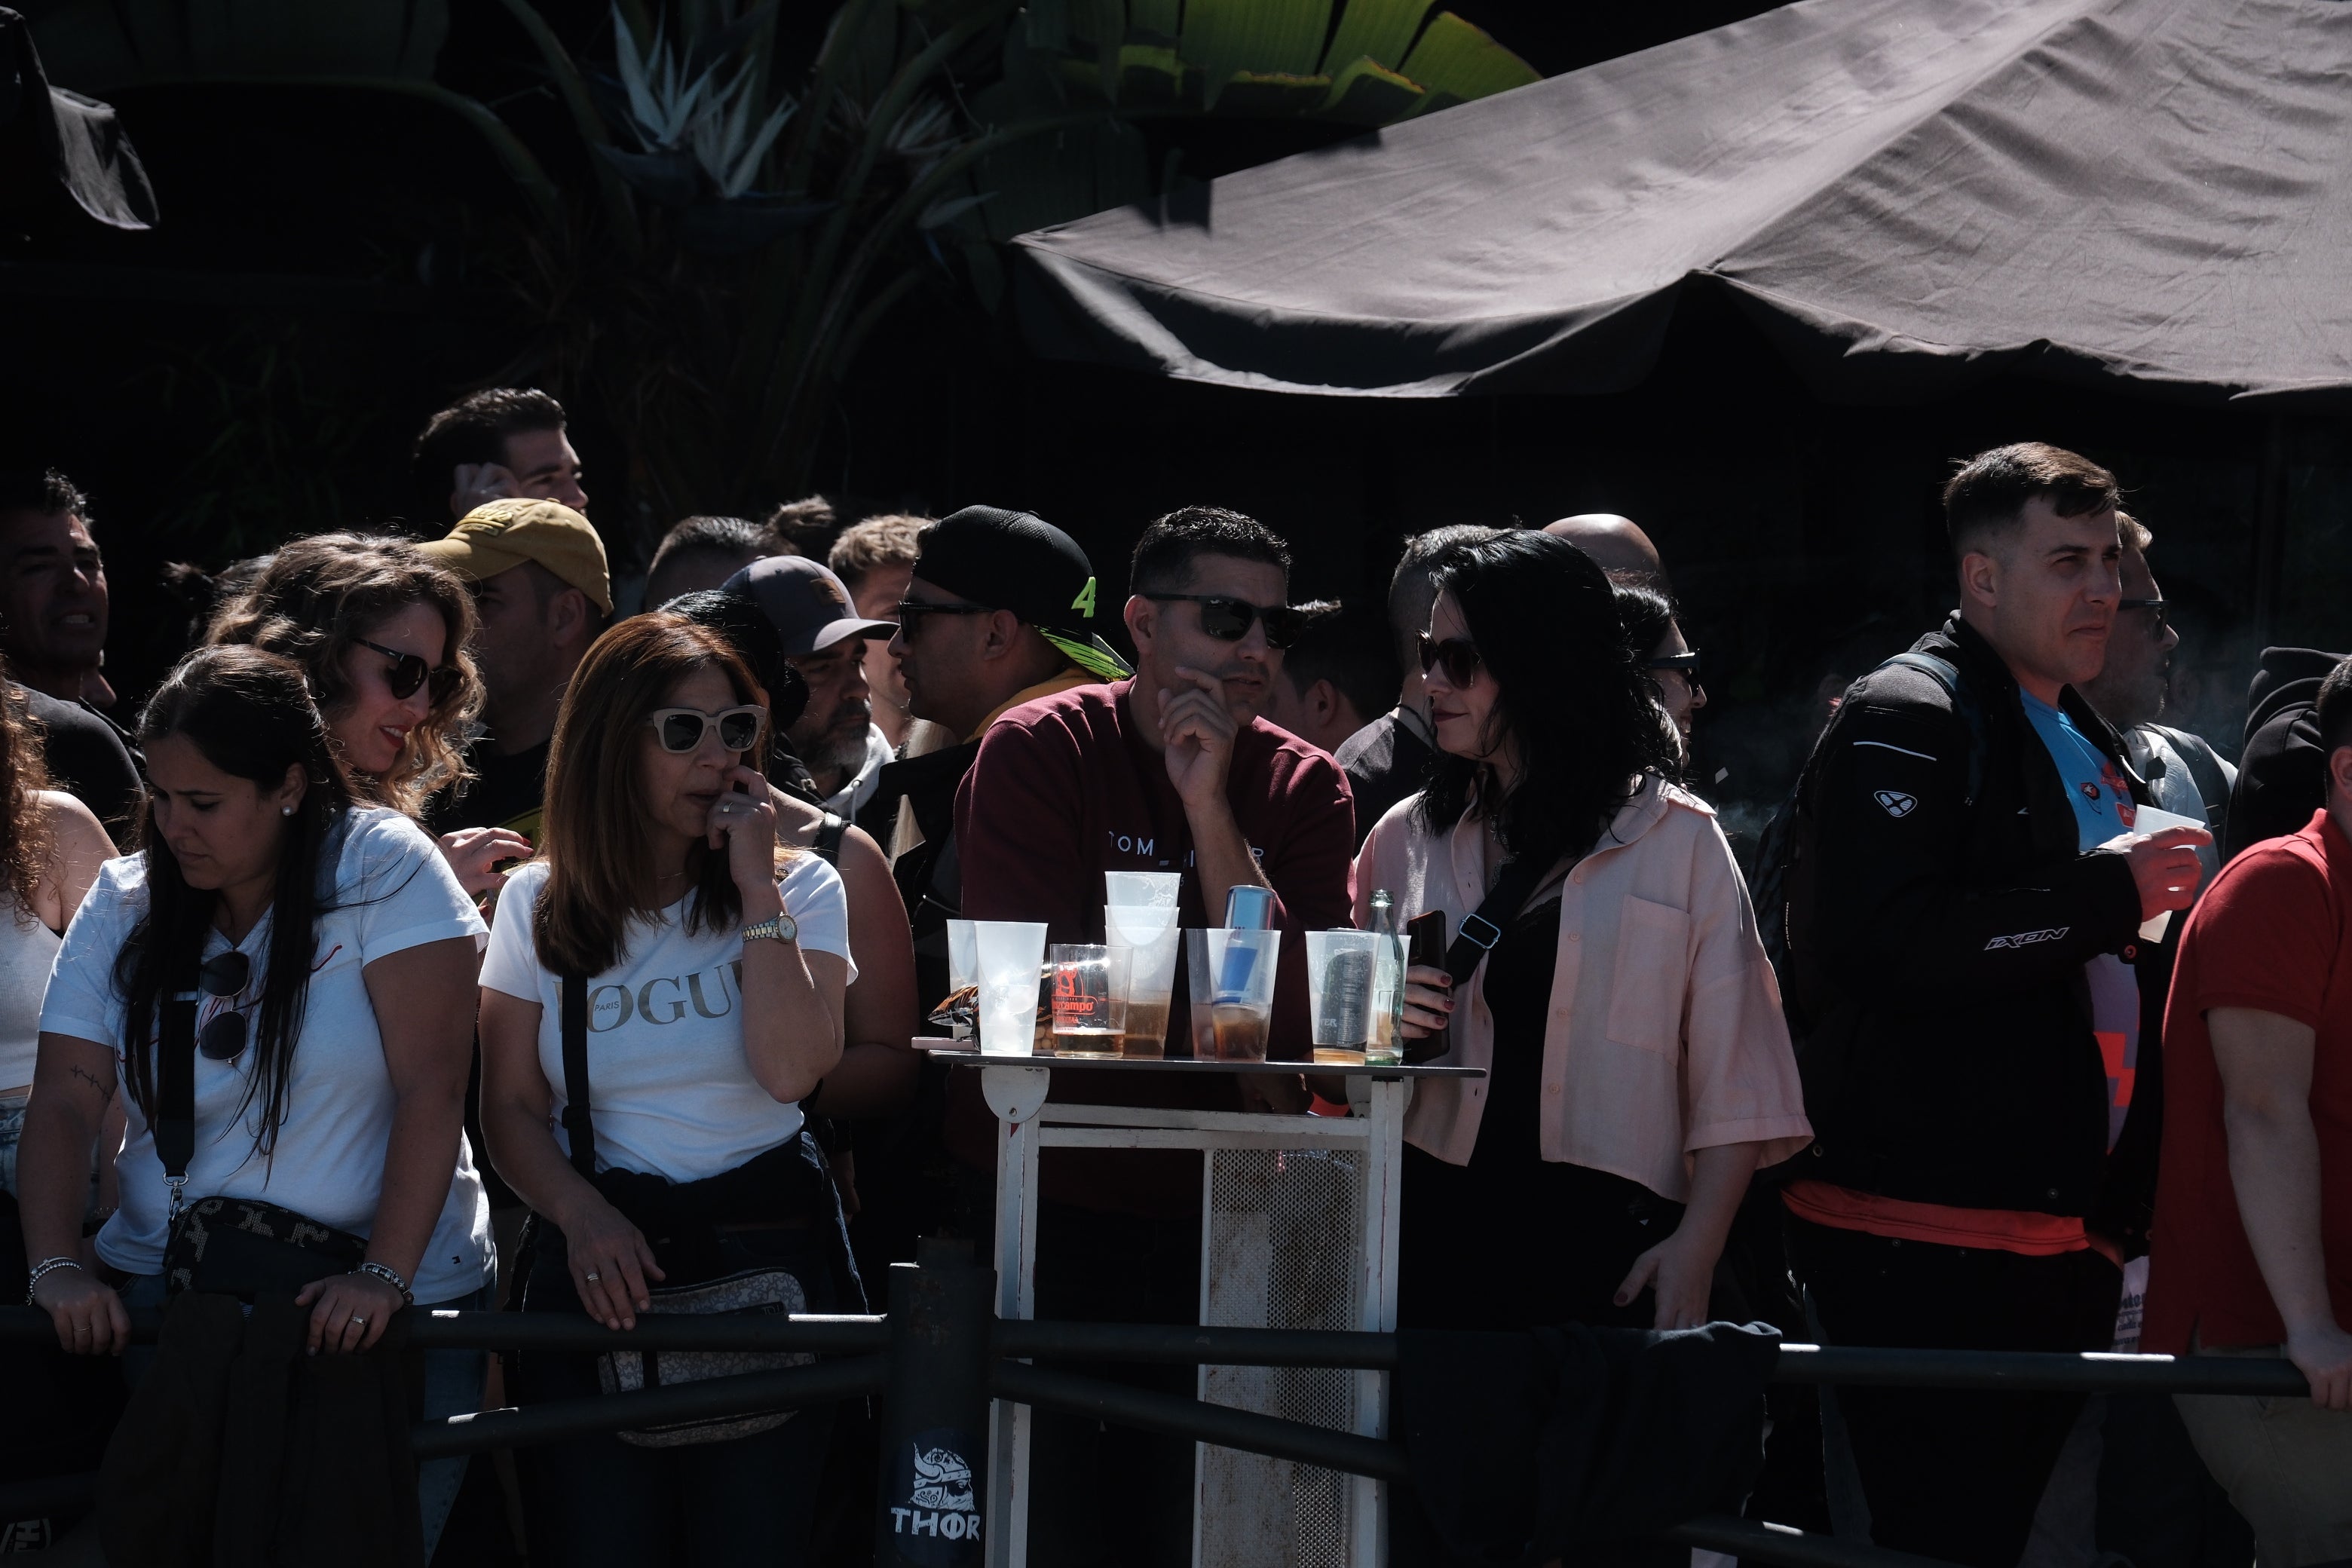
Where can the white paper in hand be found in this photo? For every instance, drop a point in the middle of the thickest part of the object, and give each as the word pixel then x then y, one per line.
pixel 2148 819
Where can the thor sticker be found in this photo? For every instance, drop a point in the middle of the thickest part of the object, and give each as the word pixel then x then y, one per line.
pixel 1897 803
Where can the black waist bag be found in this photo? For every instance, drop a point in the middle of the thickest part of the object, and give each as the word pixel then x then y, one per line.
pixel 703 1272
pixel 245 1247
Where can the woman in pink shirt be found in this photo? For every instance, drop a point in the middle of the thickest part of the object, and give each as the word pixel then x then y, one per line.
pixel 1639 1068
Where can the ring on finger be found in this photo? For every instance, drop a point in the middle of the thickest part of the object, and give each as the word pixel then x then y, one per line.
pixel 594 1277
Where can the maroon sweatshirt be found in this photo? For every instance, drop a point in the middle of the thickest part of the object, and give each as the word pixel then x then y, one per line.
pixel 1063 790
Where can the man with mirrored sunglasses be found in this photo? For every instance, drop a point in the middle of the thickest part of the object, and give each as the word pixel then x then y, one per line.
pixel 1173 772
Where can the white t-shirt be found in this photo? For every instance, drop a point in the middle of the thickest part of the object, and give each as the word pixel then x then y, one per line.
pixel 391 892
pixel 670 1088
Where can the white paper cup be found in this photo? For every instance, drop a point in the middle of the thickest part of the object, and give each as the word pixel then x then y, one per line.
pixel 1141 890
pixel 1011 953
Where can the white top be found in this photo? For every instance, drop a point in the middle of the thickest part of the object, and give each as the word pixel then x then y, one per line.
pixel 391 892
pixel 670 1086
pixel 27 950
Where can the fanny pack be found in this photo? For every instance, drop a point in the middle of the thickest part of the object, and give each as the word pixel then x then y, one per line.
pixel 705 1274
pixel 245 1247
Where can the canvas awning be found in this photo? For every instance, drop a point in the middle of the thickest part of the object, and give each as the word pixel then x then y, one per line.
pixel 1903 194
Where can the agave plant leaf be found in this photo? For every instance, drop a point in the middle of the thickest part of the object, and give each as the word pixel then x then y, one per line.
pixel 1378 30
pixel 1223 37
pixel 1456 61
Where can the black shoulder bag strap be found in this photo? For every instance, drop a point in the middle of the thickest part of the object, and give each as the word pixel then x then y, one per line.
pixel 175 1093
pixel 1481 931
pixel 577 1124
pixel 826 844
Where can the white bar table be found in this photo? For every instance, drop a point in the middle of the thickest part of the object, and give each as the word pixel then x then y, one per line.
pixel 1328 1185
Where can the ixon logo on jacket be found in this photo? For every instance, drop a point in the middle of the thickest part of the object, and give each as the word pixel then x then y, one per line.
pixel 2026 938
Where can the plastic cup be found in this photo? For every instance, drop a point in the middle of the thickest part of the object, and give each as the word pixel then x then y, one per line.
pixel 1231 975
pixel 1150 935
pixel 963 956
pixel 1340 992
pixel 1010 953
pixel 1141 890
pixel 1089 1000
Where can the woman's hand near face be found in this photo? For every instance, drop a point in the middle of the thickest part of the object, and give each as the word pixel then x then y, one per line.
pixel 743 822
pixel 1428 1001
pixel 472 852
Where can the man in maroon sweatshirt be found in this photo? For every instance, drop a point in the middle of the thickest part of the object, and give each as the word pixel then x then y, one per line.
pixel 1172 770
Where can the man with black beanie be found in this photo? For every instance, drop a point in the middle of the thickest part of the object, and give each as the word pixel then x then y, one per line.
pixel 999 611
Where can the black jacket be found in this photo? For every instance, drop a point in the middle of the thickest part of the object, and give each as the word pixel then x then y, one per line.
pixel 90 757
pixel 1937 946
pixel 2282 771
pixel 929 875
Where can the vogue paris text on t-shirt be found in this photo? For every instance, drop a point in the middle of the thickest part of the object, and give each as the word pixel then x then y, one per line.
pixel 383 888
pixel 670 1086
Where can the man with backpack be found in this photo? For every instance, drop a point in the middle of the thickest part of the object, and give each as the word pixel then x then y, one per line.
pixel 1964 900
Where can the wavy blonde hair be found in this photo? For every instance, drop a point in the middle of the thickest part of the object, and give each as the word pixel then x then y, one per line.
pixel 319 597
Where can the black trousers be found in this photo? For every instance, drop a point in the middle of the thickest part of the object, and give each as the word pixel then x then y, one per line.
pixel 1954 1474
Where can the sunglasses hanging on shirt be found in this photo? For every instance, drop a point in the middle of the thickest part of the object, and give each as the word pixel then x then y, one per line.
pixel 224 974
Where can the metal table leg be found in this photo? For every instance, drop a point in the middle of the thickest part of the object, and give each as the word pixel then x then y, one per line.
pixel 1015 1095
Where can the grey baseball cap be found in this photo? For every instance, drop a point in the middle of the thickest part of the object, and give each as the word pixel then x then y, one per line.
pixel 807 604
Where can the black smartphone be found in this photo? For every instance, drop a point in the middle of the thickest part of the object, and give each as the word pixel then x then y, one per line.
pixel 1424 939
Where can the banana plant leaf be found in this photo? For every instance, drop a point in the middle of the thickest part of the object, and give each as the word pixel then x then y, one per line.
pixel 1458 62
pixel 1368 93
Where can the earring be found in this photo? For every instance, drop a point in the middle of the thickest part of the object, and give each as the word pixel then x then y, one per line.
pixel 285 811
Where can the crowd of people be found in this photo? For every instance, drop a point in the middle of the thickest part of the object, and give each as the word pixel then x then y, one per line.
pixel 438 935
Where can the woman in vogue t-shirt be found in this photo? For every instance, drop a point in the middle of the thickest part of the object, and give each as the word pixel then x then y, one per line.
pixel 715 967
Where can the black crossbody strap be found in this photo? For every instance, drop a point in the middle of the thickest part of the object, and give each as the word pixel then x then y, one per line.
pixel 1483 930
pixel 175 1088
pixel 577 1124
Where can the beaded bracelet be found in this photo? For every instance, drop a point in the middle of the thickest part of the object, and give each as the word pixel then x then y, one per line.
pixel 47 1265
pixel 390 1276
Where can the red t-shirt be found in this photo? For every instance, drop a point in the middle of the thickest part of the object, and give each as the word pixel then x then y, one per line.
pixel 2274 934
pixel 1062 791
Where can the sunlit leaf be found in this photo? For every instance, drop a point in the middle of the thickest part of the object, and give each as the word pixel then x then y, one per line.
pixel 1272 36
pixel 1368 93
pixel 1269 94
pixel 1456 62
pixel 1380 30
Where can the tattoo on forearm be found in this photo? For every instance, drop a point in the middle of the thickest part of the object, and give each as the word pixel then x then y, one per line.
pixel 91 1078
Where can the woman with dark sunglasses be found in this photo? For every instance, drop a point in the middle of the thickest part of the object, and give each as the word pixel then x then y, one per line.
pixel 327 954
pixel 667 1148
pixel 1656 636
pixel 382 633
pixel 1639 1068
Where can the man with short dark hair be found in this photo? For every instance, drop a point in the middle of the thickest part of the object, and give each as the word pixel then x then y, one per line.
pixel 2254 1251
pixel 52 589
pixel 998 611
pixel 505 442
pixel 1965 901
pixel 703 552
pixel 1337 675
pixel 1387 759
pixel 874 559
pixel 1171 771
pixel 541 588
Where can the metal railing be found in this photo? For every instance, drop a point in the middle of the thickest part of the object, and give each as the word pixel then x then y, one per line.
pixel 942 1354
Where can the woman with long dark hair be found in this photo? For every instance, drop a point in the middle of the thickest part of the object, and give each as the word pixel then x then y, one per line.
pixel 1654 630
pixel 380 632
pixel 327 956
pixel 1639 1070
pixel 658 1135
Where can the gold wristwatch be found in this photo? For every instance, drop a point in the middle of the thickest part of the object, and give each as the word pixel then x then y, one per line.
pixel 778 928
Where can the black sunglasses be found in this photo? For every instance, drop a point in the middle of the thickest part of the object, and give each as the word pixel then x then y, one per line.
pixel 1458 655
pixel 224 974
pixel 2156 605
pixel 410 671
pixel 1229 619
pixel 911 611
pixel 1686 664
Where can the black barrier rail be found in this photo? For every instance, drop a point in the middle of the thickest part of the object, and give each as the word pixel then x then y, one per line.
pixel 941 1354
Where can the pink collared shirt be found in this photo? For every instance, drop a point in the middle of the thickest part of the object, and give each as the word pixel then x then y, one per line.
pixel 1665 1034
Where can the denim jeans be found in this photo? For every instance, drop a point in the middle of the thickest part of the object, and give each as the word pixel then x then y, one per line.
pixel 453 1387
pixel 11 1132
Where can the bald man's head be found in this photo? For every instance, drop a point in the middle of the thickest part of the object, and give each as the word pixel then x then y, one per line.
pixel 1615 543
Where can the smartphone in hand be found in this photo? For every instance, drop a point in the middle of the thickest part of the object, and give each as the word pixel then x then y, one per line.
pixel 1425 943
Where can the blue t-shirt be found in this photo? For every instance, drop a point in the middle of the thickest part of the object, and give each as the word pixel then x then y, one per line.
pixel 2102 799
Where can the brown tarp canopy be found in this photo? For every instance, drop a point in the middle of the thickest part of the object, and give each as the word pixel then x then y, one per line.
pixel 1904 195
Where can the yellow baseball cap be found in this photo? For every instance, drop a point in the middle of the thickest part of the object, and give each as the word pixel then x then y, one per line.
pixel 500 535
